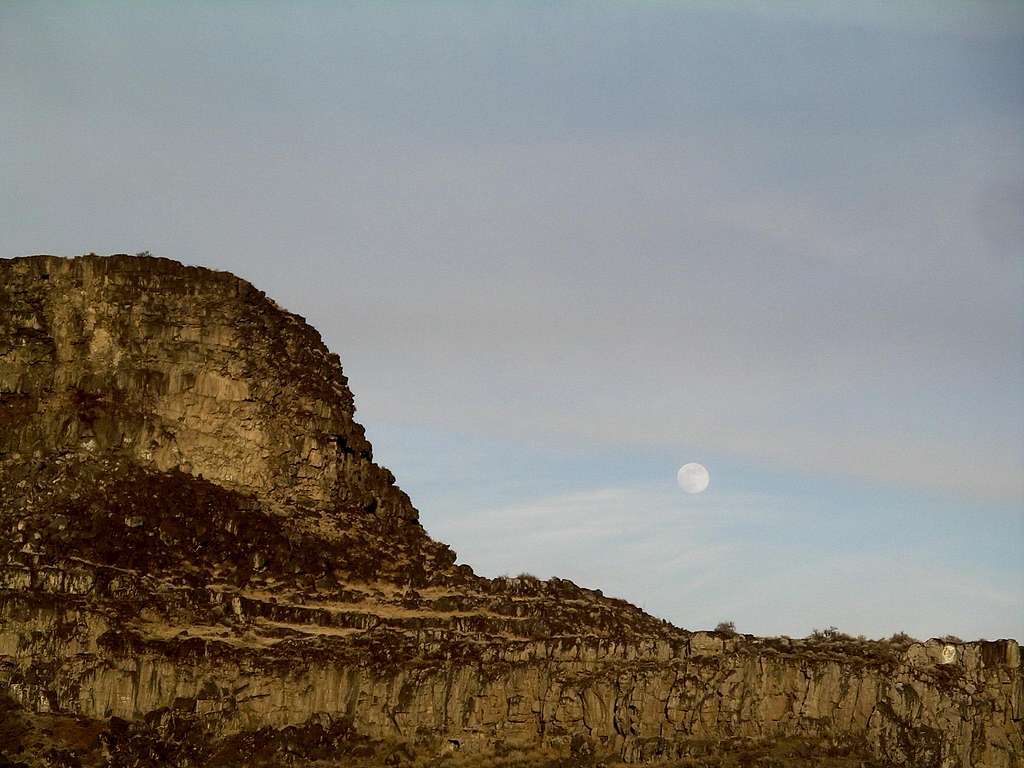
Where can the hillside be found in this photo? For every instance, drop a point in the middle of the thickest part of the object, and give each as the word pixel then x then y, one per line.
pixel 201 564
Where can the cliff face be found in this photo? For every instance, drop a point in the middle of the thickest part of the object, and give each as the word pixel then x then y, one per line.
pixel 181 368
pixel 194 372
pixel 200 564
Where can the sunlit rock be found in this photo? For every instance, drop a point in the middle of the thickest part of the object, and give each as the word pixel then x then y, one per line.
pixel 201 561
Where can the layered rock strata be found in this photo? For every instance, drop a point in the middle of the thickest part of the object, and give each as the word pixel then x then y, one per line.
pixel 200 564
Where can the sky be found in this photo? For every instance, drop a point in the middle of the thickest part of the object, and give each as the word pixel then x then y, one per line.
pixel 565 247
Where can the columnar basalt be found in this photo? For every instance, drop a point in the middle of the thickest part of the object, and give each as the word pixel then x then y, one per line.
pixel 180 368
pixel 201 564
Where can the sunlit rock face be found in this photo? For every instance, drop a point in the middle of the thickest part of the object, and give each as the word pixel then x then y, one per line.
pixel 180 368
pixel 200 564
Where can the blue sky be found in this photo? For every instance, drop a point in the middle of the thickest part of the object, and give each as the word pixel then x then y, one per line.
pixel 563 248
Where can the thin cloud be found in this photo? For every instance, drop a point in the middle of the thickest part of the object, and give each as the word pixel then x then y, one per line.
pixel 570 534
pixel 701 559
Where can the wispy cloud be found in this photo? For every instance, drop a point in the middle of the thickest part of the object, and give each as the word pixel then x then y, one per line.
pixel 701 559
pixel 624 540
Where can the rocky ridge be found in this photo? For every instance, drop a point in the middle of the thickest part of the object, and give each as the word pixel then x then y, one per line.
pixel 200 564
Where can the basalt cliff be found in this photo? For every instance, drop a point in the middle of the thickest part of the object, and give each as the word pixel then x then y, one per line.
pixel 201 565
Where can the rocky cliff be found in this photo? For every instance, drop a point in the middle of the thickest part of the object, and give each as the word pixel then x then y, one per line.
pixel 200 564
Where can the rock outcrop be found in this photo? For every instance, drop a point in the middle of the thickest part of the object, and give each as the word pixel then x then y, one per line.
pixel 200 564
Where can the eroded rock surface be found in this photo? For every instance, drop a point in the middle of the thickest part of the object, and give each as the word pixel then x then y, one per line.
pixel 200 564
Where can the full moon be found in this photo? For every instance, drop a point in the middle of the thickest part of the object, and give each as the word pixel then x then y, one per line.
pixel 693 478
